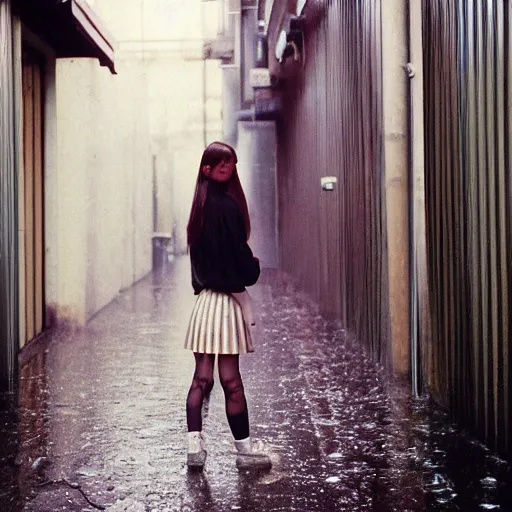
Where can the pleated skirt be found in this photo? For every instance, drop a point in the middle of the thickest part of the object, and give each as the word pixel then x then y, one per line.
pixel 217 326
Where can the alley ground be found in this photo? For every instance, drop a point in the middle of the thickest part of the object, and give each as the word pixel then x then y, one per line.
pixel 101 424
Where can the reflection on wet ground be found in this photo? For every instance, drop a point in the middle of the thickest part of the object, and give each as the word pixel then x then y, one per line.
pixel 100 423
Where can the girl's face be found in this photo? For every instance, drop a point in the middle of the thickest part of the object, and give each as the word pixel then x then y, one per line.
pixel 222 172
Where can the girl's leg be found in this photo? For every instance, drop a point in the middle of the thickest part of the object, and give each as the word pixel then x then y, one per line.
pixel 249 453
pixel 202 384
pixel 236 404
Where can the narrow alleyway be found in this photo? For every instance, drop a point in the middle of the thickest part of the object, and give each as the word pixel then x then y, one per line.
pixel 102 426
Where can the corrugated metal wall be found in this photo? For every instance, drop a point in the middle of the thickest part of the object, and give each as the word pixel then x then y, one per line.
pixel 8 204
pixel 468 107
pixel 334 243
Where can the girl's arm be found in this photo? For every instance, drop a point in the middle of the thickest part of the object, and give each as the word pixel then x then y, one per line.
pixel 248 264
pixel 244 268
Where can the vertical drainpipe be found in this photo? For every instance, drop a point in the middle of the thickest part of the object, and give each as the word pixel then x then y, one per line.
pixel 203 73
pixel 205 132
pixel 134 186
pixel 413 294
pixel 418 266
pixel 155 195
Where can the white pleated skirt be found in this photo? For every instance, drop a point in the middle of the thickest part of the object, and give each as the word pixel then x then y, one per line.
pixel 218 326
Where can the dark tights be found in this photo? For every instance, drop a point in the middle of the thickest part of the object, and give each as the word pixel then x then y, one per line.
pixel 231 381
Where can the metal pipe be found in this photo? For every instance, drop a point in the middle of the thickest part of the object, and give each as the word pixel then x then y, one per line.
pixel 205 137
pixel 413 291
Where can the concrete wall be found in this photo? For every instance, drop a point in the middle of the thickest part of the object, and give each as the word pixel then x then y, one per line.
pixel 257 169
pixel 184 93
pixel 179 112
pixel 157 20
pixel 231 101
pixel 123 142
pixel 100 213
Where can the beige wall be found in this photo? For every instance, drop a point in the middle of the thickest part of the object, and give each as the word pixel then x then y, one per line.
pixel 157 19
pixel 115 135
pixel 176 117
pixel 166 36
pixel 394 51
pixel 100 211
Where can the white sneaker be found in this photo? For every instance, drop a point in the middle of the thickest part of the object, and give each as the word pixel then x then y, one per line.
pixel 196 456
pixel 252 454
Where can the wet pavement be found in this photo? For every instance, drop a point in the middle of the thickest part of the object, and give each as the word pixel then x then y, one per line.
pixel 100 422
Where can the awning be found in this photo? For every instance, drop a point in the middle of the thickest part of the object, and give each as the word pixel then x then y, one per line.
pixel 71 27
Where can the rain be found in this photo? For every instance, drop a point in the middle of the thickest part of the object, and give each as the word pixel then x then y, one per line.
pixel 380 378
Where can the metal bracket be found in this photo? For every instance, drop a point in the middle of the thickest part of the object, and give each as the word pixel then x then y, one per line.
pixel 409 69
pixel 328 182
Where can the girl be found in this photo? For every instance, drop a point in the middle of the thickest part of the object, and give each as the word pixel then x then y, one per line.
pixel 222 266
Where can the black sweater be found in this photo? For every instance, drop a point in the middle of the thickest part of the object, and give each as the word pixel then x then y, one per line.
pixel 221 259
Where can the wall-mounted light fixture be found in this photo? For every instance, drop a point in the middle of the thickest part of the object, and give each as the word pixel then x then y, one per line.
pixel 328 183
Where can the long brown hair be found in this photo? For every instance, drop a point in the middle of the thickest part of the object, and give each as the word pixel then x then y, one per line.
pixel 215 153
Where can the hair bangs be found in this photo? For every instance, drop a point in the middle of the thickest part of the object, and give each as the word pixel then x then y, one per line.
pixel 218 152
